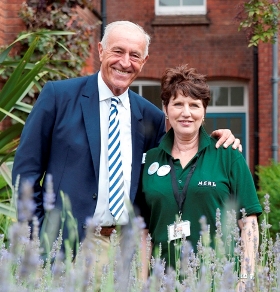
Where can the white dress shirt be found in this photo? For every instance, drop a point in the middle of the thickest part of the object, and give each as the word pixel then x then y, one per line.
pixel 102 212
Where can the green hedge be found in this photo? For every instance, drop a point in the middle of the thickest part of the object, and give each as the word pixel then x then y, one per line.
pixel 269 183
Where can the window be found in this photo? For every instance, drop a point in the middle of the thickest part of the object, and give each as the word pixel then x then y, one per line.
pixel 227 96
pixel 228 109
pixel 175 7
pixel 148 89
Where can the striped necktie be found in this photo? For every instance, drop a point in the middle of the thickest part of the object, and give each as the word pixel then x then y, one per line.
pixel 116 182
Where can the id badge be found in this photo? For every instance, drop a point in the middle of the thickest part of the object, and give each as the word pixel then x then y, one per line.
pixel 178 230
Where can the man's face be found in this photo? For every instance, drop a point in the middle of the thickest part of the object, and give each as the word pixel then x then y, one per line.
pixel 123 58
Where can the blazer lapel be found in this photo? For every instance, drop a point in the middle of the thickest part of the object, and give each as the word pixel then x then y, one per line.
pixel 137 130
pixel 91 114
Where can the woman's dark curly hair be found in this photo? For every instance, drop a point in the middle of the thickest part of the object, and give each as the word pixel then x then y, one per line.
pixel 186 81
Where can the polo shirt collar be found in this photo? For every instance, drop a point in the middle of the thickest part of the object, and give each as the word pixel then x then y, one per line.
pixel 105 93
pixel 166 143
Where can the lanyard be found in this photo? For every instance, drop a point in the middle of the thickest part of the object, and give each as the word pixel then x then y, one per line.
pixel 181 196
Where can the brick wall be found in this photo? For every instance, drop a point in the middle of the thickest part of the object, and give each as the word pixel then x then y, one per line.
pixel 266 104
pixel 10 26
pixel 10 23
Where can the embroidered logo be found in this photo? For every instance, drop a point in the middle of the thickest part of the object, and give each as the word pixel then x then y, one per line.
pixel 206 183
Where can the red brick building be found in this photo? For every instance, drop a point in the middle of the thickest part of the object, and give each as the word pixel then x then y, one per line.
pixel 205 36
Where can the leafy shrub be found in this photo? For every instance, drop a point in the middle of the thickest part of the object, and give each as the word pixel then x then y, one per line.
pixel 25 75
pixel 51 16
pixel 259 20
pixel 269 183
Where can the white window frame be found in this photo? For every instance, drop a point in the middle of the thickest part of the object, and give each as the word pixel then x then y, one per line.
pixel 141 83
pixel 181 10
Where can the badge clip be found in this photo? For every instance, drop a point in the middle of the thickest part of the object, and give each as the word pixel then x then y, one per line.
pixel 180 229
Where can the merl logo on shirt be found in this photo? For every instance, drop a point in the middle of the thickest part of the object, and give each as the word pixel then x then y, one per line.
pixel 206 183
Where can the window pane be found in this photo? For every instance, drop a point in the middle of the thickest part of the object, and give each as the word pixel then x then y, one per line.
pixel 152 93
pixel 222 97
pixel 222 123
pixel 169 2
pixel 134 88
pixel 192 2
pixel 212 95
pixel 236 126
pixel 219 95
pixel 209 125
pixel 233 121
pixel 237 96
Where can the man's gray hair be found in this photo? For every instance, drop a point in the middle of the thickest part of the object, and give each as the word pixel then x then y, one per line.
pixel 114 24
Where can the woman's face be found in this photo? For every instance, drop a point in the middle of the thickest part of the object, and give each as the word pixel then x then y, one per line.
pixel 185 115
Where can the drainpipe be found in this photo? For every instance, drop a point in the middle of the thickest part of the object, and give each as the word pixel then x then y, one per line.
pixel 256 108
pixel 275 98
pixel 104 17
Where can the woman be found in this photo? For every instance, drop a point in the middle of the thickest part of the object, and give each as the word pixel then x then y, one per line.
pixel 186 178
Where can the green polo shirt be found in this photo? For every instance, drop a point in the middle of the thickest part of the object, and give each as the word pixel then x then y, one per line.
pixel 221 176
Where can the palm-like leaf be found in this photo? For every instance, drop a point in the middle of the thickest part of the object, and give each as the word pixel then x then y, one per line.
pixel 24 77
pixel 20 80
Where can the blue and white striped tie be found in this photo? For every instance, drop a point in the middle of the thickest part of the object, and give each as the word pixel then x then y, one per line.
pixel 116 182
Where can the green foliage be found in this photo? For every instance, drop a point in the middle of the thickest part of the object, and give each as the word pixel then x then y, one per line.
pixel 25 75
pixel 259 18
pixel 269 183
pixel 6 217
pixel 48 16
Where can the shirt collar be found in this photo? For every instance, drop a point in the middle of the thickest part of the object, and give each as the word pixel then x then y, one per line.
pixel 166 143
pixel 105 93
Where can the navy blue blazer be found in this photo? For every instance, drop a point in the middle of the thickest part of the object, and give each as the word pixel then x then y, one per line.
pixel 62 137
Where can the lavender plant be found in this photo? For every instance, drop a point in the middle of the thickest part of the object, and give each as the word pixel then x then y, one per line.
pixel 210 269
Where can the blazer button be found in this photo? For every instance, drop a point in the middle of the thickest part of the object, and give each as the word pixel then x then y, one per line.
pixel 94 196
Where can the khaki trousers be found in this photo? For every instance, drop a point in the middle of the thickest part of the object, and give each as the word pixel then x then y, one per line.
pixel 98 252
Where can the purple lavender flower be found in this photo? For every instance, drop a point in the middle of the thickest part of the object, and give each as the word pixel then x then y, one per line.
pixel 26 205
pixel 49 195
